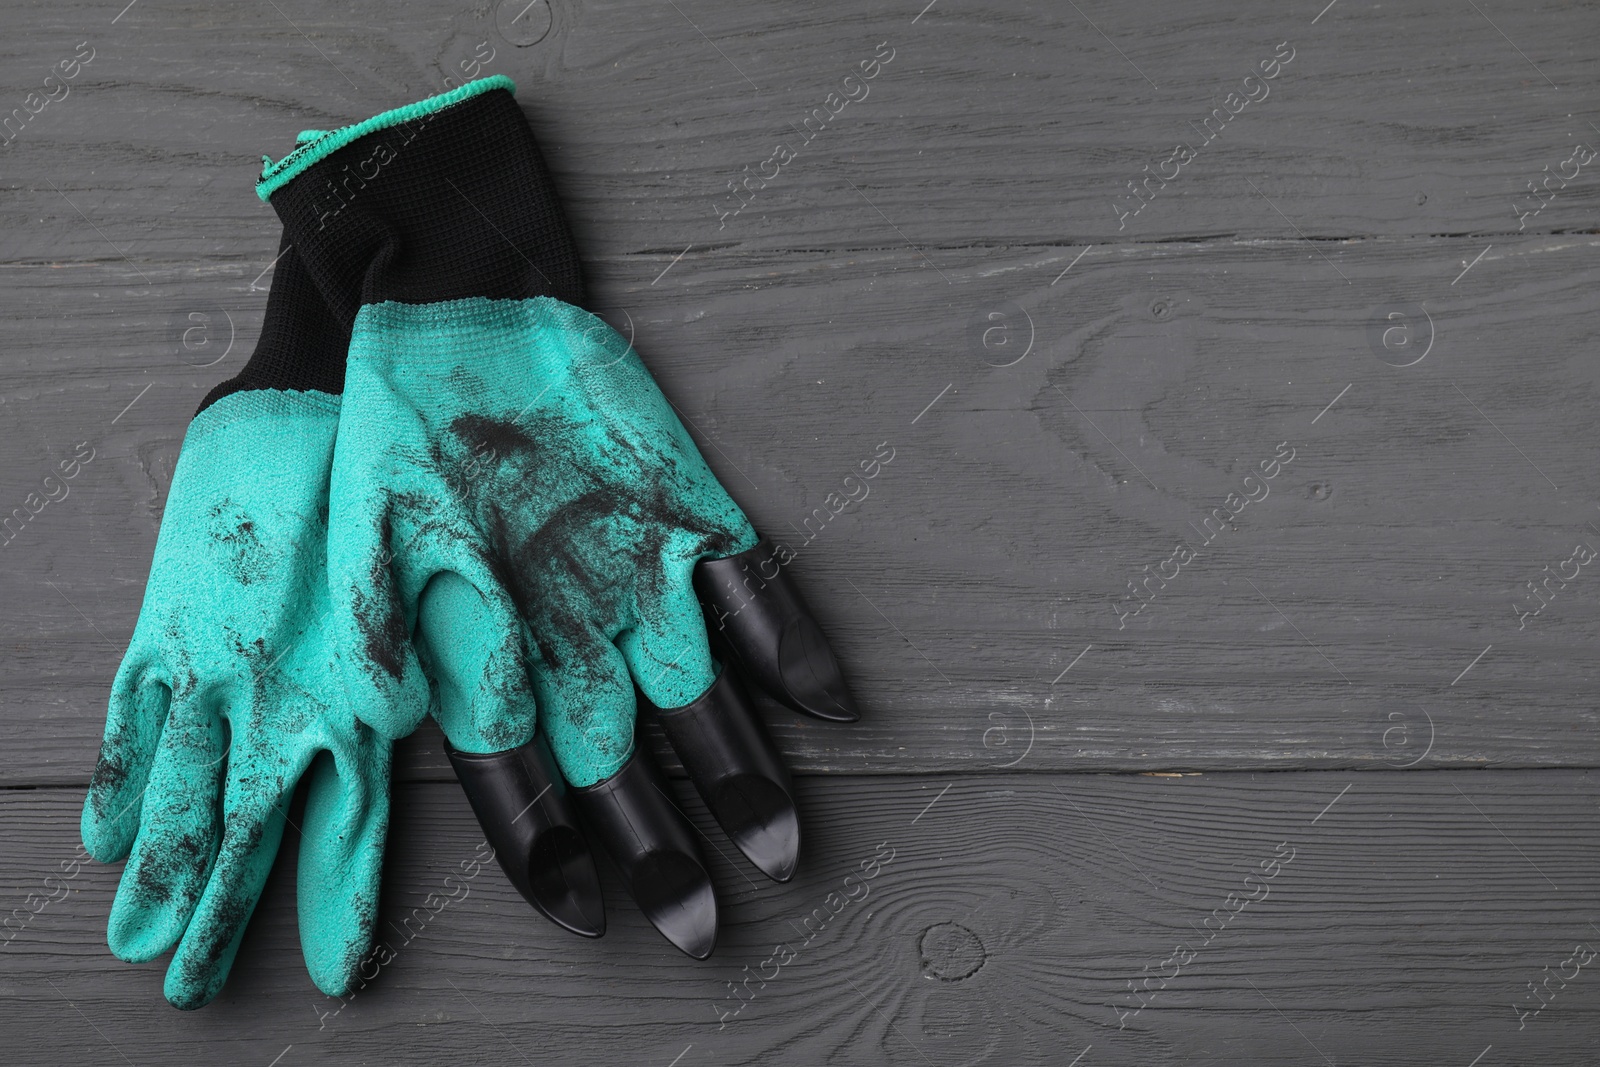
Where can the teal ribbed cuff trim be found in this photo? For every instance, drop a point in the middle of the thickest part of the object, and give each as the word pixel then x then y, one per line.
pixel 275 176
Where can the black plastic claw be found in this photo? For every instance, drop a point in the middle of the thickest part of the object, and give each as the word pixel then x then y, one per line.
pixel 522 804
pixel 732 762
pixel 757 612
pixel 653 844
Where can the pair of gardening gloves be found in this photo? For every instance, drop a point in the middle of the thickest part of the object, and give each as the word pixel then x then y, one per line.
pixel 439 486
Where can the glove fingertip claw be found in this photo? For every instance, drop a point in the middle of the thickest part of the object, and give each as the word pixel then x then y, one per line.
pixel 756 610
pixel 738 772
pixel 523 806
pixel 653 845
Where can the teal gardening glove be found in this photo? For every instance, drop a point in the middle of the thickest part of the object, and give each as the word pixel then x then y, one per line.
pixel 228 695
pixel 520 522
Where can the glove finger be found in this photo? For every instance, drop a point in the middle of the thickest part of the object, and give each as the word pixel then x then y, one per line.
pixel 341 858
pixel 253 821
pixel 370 623
pixel 586 696
pixel 397 525
pixel 667 650
pixel 173 854
pixel 135 716
pixel 711 724
pixel 471 646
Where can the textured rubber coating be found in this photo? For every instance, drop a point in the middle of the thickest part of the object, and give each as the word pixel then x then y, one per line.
pixel 229 694
pixel 521 447
pixel 229 697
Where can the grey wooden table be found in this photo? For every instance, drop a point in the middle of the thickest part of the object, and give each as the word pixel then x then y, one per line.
pixel 1240 520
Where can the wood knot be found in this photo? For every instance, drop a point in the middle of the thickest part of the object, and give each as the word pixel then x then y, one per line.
pixel 951 952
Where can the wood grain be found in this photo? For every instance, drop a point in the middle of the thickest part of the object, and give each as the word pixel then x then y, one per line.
pixel 1005 123
pixel 1004 926
pixel 940 271
pixel 995 547
pixel 991 553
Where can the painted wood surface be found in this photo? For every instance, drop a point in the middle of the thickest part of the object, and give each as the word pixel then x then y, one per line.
pixel 1383 918
pixel 1332 307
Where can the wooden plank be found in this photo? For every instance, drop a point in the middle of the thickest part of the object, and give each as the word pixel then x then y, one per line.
pixel 983 584
pixel 951 268
pixel 1004 123
pixel 1003 920
pixel 990 555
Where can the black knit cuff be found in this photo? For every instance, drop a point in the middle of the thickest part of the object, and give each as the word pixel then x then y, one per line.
pixel 441 200
pixel 302 346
